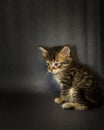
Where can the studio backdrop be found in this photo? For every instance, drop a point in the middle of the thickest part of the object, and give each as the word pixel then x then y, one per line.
pixel 25 24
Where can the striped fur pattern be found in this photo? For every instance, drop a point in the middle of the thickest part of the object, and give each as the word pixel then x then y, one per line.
pixel 78 86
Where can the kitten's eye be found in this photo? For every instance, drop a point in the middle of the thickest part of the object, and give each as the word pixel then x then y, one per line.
pixel 56 64
pixel 47 63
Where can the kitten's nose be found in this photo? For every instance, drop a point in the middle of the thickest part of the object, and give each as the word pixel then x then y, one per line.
pixel 52 68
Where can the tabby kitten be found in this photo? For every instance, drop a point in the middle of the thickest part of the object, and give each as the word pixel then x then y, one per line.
pixel 78 85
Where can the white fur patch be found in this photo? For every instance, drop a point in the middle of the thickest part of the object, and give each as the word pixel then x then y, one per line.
pixel 57 78
pixel 71 94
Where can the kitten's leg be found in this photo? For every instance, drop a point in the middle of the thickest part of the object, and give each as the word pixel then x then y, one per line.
pixel 76 106
pixel 76 102
pixel 58 100
pixel 63 96
pixel 61 99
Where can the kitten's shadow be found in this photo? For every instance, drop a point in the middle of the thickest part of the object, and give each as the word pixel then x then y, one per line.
pixel 101 84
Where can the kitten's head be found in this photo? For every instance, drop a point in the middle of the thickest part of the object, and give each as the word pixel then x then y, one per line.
pixel 56 58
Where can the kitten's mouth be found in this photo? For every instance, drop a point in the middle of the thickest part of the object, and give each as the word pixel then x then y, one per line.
pixel 53 73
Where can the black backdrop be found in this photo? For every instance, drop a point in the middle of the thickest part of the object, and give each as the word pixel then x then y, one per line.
pixel 102 32
pixel 26 90
pixel 24 24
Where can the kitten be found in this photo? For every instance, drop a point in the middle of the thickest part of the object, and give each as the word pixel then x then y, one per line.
pixel 78 86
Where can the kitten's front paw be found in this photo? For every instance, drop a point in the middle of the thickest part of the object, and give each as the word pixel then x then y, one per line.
pixel 58 100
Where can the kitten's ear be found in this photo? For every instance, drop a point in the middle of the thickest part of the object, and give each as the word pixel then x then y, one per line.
pixel 65 51
pixel 44 51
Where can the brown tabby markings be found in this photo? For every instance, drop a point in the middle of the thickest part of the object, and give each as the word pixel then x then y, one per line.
pixel 78 85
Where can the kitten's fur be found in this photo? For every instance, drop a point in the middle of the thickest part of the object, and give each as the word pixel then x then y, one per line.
pixel 78 85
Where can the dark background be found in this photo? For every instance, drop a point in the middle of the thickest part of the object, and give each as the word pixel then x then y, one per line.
pixel 102 30
pixel 25 24
pixel 26 90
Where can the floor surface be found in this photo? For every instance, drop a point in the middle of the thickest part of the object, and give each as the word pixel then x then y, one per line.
pixel 30 111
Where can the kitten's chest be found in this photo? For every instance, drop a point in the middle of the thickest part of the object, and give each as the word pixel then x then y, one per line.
pixel 58 79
